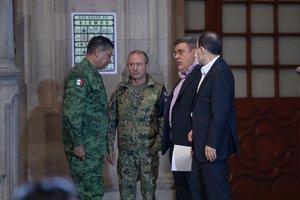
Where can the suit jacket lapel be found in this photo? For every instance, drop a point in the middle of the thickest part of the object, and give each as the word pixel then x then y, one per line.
pixel 168 103
pixel 185 85
pixel 208 74
pixel 189 79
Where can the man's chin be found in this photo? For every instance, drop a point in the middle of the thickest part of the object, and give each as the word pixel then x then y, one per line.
pixel 135 76
pixel 101 67
pixel 180 68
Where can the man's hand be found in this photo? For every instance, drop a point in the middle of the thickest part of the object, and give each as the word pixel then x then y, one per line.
pixel 190 136
pixel 210 153
pixel 79 152
pixel 191 152
pixel 111 157
pixel 190 139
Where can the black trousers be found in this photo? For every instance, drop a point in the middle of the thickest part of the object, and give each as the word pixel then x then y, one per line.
pixel 212 179
pixel 182 185
pixel 185 186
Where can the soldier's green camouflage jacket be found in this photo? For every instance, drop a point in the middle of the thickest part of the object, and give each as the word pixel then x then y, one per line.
pixel 85 110
pixel 137 116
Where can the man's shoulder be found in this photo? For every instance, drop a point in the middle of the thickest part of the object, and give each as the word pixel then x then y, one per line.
pixel 77 76
pixel 157 87
pixel 158 84
pixel 151 81
pixel 77 70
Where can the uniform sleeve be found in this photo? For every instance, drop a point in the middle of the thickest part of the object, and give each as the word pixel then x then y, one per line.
pixel 162 102
pixel 160 120
pixel 113 121
pixel 74 108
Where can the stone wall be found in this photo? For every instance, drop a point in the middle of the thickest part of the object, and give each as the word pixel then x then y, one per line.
pixel 9 102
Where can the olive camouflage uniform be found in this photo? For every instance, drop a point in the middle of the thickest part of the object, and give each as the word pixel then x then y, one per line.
pixel 137 114
pixel 85 123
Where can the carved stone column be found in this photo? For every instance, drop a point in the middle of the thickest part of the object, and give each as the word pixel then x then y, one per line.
pixel 9 76
pixel 147 28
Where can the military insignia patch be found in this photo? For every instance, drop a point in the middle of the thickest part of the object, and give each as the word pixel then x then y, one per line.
pixel 79 82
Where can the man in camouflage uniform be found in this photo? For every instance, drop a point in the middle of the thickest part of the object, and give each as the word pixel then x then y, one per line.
pixel 85 119
pixel 136 110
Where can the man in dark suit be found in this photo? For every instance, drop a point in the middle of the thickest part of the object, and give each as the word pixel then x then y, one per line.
pixel 177 119
pixel 214 135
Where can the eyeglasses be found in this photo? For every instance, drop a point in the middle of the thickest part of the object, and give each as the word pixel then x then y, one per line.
pixel 131 65
pixel 180 52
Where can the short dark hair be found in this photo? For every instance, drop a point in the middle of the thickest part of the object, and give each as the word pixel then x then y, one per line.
pixel 190 41
pixel 146 58
pixel 47 189
pixel 210 41
pixel 99 42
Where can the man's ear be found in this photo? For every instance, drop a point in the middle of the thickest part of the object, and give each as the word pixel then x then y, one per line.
pixel 193 52
pixel 97 52
pixel 202 49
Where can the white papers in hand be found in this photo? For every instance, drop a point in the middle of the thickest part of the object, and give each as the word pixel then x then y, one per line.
pixel 181 158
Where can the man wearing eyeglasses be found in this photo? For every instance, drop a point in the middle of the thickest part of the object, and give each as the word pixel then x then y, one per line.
pixel 178 122
pixel 136 114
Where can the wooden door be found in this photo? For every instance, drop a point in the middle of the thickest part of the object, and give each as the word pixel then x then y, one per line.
pixel 261 43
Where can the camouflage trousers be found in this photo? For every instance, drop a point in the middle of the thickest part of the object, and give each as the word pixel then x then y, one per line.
pixel 136 166
pixel 87 175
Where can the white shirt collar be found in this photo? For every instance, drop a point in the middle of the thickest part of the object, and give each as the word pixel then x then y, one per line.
pixel 207 67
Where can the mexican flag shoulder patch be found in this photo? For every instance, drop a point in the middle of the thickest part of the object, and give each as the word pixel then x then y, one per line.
pixel 79 82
